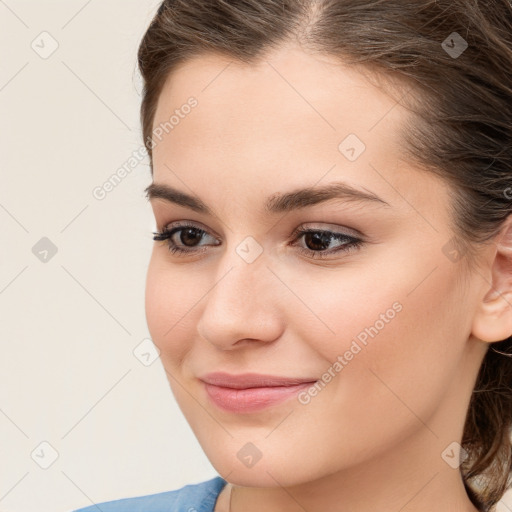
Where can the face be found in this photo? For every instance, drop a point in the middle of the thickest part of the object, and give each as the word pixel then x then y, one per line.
pixel 368 302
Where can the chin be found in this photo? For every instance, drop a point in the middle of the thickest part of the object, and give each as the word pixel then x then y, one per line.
pixel 275 468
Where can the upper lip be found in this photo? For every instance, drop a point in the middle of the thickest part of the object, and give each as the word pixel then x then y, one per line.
pixel 251 380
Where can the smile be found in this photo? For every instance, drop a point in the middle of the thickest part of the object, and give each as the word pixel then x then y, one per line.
pixel 251 399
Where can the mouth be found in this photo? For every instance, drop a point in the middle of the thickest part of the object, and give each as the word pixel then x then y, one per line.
pixel 248 393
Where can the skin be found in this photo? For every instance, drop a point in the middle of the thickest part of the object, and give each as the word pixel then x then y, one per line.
pixel 373 438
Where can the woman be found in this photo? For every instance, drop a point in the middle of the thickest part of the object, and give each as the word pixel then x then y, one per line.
pixel 331 284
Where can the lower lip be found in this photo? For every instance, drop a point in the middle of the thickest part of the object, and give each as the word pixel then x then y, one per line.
pixel 252 399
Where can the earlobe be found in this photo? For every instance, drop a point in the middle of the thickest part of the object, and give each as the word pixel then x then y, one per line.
pixel 493 319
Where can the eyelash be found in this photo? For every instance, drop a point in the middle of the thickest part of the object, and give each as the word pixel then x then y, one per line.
pixel 352 244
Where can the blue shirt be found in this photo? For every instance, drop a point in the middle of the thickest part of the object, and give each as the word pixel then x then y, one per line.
pixel 190 498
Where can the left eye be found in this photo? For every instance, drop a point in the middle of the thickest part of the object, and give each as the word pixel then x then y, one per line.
pixel 189 235
pixel 321 238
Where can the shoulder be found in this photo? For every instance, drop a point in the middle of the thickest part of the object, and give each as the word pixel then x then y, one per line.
pixel 190 498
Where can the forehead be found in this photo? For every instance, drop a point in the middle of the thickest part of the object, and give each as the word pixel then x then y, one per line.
pixel 282 121
pixel 308 96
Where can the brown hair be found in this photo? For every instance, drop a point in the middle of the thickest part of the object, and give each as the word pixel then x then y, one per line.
pixel 462 129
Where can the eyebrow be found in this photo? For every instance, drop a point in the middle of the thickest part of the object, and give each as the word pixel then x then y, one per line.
pixel 276 203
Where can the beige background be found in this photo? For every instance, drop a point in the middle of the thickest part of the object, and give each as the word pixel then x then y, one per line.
pixel 69 325
pixel 74 375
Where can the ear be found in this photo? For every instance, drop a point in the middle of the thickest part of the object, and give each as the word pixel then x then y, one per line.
pixel 493 317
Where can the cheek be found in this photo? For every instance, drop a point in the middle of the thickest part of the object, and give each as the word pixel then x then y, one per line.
pixel 401 337
pixel 169 301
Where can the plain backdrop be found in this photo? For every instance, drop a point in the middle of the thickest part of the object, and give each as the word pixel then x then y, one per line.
pixel 86 412
pixel 74 375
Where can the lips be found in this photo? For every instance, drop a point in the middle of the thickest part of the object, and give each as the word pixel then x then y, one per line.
pixel 252 380
pixel 251 392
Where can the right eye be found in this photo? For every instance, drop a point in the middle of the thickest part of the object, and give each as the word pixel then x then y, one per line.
pixel 187 233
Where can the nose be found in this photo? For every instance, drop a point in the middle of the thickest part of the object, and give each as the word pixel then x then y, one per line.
pixel 243 304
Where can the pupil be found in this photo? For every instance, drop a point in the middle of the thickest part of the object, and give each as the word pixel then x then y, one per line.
pixel 186 232
pixel 322 238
